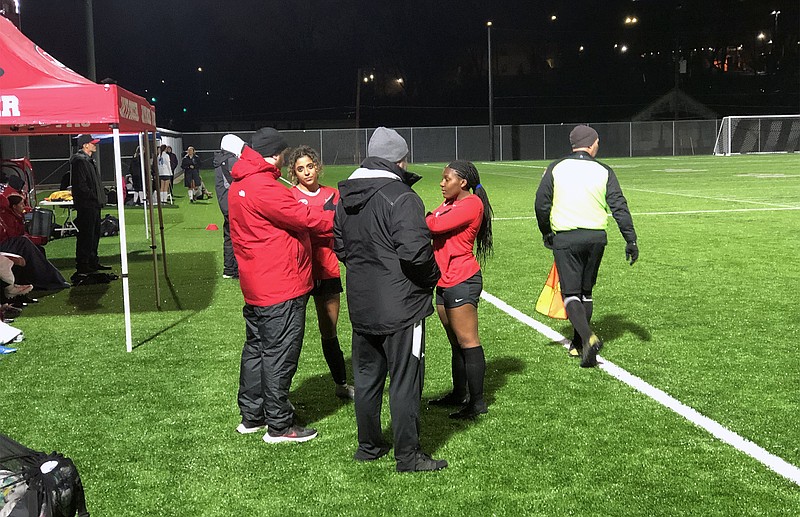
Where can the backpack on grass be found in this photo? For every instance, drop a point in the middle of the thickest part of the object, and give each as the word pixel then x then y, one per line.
pixel 37 484
pixel 109 226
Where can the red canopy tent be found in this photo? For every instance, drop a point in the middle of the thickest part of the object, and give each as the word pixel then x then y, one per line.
pixel 40 96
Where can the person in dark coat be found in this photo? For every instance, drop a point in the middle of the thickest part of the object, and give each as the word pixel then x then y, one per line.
pixel 381 236
pixel 223 163
pixel 191 172
pixel 88 197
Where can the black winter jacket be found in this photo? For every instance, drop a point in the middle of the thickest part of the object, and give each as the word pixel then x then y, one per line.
pixel 87 188
pixel 381 237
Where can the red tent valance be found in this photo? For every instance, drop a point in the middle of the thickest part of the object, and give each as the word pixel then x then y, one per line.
pixel 39 95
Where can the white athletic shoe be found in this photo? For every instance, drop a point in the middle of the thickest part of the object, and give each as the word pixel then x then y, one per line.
pixel 243 429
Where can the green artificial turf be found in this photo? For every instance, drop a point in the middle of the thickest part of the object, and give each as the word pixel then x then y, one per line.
pixel 708 315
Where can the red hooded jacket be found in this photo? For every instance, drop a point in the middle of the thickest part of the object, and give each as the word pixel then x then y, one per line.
pixel 270 232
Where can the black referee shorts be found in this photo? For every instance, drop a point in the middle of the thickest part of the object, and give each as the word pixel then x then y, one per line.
pixel 578 254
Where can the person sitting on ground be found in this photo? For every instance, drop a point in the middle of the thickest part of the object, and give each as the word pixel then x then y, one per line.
pixel 36 270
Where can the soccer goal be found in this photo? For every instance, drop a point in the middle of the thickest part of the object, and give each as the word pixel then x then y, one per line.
pixel 758 134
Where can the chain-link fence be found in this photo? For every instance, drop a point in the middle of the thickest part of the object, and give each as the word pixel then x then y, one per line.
pixel 50 154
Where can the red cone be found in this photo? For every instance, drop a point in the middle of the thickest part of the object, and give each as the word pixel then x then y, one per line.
pixel 212 226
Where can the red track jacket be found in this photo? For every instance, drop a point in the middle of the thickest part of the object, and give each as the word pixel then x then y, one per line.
pixel 270 233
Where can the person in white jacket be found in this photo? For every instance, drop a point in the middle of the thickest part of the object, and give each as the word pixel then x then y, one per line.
pixel 164 172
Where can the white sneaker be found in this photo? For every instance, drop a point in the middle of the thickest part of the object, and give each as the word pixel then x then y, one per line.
pixel 242 429
pixel 345 391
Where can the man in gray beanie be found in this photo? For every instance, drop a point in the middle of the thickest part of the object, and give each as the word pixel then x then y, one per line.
pixel 572 203
pixel 381 237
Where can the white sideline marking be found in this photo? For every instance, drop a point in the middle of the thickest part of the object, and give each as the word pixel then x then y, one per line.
pixel 684 212
pixel 706 197
pixel 774 463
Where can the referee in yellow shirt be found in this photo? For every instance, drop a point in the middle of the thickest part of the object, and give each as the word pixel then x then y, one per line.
pixel 572 204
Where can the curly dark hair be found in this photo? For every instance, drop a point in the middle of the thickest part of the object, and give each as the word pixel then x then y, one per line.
pixel 296 154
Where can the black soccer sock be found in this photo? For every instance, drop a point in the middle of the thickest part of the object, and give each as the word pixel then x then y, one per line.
pixel 577 316
pixel 475 363
pixel 335 359
pixel 459 372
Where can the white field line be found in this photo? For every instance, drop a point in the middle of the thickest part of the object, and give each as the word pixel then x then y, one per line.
pixel 685 212
pixel 707 197
pixel 774 463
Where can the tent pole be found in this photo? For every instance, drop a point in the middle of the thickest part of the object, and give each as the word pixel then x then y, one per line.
pixel 148 187
pixel 142 162
pixel 123 243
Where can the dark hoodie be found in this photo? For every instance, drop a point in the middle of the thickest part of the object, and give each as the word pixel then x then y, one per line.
pixel 223 163
pixel 381 237
pixel 87 188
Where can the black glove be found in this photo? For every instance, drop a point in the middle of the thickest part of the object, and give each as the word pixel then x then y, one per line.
pixel 548 240
pixel 631 252
pixel 329 204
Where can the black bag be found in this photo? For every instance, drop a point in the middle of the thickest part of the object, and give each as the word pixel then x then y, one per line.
pixel 36 484
pixel 109 226
pixel 111 196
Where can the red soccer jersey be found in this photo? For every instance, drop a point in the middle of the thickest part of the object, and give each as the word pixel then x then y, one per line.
pixel 454 226
pixel 324 263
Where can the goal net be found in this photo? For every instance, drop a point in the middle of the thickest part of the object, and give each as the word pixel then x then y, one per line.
pixel 758 134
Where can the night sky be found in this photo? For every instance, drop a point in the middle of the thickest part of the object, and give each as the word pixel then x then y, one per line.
pixel 297 61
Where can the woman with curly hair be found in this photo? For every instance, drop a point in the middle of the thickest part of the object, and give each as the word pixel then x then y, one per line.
pixel 305 169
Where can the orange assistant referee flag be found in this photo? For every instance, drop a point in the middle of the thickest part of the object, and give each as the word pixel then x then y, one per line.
pixel 550 302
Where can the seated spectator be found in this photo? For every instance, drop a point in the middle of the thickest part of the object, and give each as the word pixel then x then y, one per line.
pixel 37 270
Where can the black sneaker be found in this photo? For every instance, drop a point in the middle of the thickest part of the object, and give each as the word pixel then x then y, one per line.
pixel 101 267
pixel 451 399
pixel 423 463
pixel 294 433
pixel 470 412
pixel 589 353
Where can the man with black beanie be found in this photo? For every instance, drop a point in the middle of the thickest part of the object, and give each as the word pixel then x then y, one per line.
pixel 381 236
pixel 572 204
pixel 270 235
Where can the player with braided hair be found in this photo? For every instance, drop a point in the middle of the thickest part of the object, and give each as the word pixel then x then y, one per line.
pixel 463 222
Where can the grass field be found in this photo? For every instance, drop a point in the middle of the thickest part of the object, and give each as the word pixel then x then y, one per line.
pixel 708 315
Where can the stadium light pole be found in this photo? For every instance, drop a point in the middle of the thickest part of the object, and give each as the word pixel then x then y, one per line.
pixel 491 92
pixel 90 41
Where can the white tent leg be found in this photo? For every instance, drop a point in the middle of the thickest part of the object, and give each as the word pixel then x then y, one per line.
pixel 145 185
pixel 123 243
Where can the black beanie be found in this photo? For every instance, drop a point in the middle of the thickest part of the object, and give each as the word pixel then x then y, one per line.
pixel 268 142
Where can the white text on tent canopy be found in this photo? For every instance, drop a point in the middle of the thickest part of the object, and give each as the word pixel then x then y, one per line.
pixel 129 109
pixel 9 106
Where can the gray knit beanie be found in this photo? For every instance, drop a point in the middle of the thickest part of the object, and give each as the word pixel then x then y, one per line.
pixel 387 144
